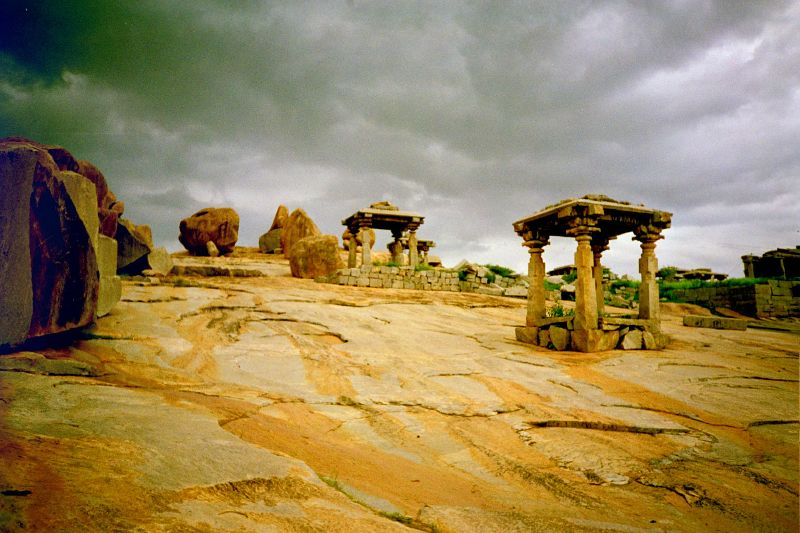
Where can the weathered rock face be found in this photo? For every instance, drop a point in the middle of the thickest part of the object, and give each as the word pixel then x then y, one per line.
pixel 281 216
pixel 270 242
pixel 315 256
pixel 108 208
pixel 133 243
pixel 218 225
pixel 298 226
pixel 49 274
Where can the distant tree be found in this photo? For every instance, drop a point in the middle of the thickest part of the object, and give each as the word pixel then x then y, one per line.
pixel 667 273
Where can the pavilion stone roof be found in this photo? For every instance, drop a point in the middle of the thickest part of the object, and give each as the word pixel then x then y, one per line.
pixel 383 217
pixel 612 217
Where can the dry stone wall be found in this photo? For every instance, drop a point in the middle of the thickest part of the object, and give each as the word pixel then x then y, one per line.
pixel 428 280
pixel 773 299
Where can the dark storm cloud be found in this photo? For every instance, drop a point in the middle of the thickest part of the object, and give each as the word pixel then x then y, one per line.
pixel 475 113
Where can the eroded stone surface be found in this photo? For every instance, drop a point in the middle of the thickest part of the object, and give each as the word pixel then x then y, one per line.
pixel 255 404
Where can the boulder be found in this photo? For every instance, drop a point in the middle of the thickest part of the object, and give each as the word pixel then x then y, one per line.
pixel 49 272
pixel 158 261
pixel 384 205
pixel 298 226
pixel 217 225
pixel 346 236
pixel 315 256
pixel 281 216
pixel 270 242
pixel 132 244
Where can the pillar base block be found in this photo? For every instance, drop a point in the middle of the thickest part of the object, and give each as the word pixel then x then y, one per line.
pixel 594 340
pixel 527 334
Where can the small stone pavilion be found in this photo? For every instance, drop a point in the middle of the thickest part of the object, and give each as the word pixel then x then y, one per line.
pixel 423 248
pixel 383 215
pixel 593 221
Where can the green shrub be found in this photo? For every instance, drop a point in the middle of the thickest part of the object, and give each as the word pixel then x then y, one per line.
pixel 624 283
pixel 502 271
pixel 667 273
pixel 569 278
pixel 559 310
pixel 462 275
pixel 548 286
pixel 491 277
pixel 422 266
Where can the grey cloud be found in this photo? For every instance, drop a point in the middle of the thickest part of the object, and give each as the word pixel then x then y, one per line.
pixel 474 113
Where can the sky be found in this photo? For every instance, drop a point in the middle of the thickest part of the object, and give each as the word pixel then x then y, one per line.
pixel 474 114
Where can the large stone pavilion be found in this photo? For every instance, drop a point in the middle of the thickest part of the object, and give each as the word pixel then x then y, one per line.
pixel 593 221
pixel 383 215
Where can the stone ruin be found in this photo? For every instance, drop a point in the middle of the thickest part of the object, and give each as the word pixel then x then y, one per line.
pixel 782 263
pixel 592 221
pixel 383 215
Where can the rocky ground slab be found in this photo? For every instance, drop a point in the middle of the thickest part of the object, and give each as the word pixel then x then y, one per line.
pixel 270 403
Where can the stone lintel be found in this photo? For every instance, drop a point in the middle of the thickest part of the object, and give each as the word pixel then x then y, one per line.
pixel 566 320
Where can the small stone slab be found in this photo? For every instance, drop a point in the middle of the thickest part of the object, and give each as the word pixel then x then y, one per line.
pixel 528 335
pixel 632 340
pixel 559 337
pixel 715 322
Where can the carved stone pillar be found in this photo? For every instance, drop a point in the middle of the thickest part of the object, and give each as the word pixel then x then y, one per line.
pixel 413 254
pixel 351 249
pixel 749 271
pixel 585 288
pixel 396 247
pixel 536 306
pixel 366 246
pixel 648 266
pixel 598 247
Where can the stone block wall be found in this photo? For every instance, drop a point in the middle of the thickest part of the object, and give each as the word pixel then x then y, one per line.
pixel 427 280
pixel 774 299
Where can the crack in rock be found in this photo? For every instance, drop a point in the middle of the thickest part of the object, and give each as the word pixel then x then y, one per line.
pixel 760 378
pixel 757 423
pixel 693 495
pixel 606 426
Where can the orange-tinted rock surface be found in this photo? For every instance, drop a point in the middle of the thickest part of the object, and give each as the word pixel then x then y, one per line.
pixel 315 256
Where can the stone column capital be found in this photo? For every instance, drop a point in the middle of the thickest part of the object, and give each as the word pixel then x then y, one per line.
pixel 647 234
